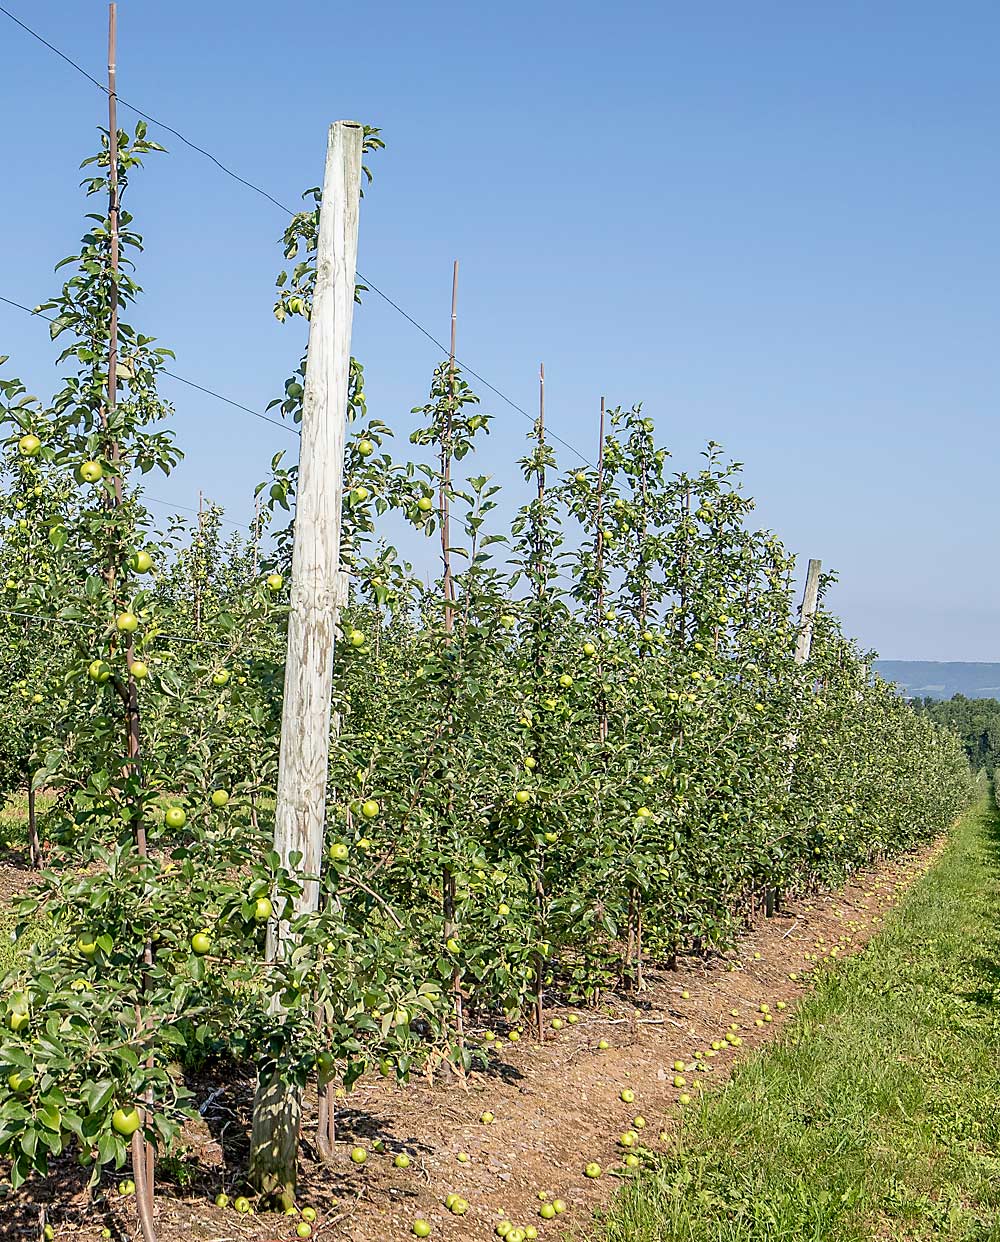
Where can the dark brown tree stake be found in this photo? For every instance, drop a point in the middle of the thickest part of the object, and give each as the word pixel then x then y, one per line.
pixel 540 594
pixel 448 584
pixel 143 1156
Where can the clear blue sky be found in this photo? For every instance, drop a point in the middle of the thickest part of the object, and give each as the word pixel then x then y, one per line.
pixel 775 224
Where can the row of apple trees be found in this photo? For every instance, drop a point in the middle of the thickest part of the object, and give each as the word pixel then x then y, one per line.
pixel 584 748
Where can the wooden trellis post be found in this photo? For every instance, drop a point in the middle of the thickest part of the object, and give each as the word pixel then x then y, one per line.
pixel 317 594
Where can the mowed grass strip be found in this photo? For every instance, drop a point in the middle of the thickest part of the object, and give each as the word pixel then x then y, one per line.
pixel 877 1114
pixel 14 836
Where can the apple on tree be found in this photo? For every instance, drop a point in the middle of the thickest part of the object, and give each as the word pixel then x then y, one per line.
pixel 99 672
pixel 126 1121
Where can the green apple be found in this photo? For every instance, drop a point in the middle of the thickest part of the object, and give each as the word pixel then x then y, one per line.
pixel 29 445
pixel 358 1155
pixel 262 910
pixel 303 1230
pixel 139 670
pixel 274 583
pixel 91 471
pixel 221 677
pixel 19 1082
pixel 370 808
pixel 522 796
pixel 140 561
pixel 402 1161
pixel 546 1211
pixel 222 1201
pixel 339 852
pixel 425 504
pixel 99 672
pixel 627 1095
pixel 452 945
pixel 487 1118
pixel 366 448
pixel 242 1205
pixel 589 649
pixel 220 798
pixel 126 1122
pixel 592 1170
pixel 175 817
pixel 127 622
pixel 201 943
pixel 422 1228
pixel 87 945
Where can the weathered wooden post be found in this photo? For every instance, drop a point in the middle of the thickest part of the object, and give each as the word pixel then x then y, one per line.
pixel 803 647
pixel 317 594
pixel 807 613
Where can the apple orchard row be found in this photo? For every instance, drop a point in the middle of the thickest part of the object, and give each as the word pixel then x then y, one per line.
pixel 580 749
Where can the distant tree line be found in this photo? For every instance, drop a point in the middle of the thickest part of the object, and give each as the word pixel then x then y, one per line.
pixel 976 721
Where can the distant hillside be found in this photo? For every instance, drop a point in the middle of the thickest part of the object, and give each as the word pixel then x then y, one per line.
pixel 941 679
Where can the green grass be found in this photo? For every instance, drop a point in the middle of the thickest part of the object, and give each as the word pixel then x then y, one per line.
pixel 877 1115
pixel 14 835
pixel 7 921
pixel 14 821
